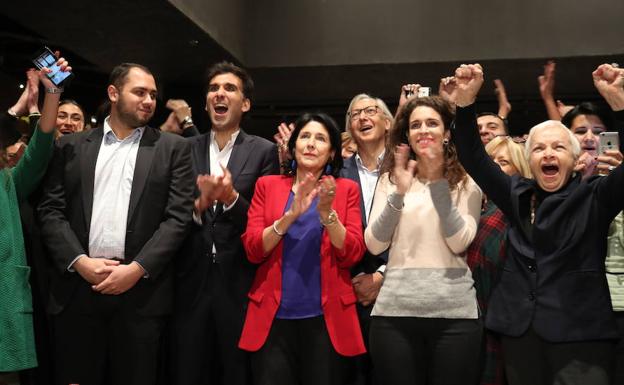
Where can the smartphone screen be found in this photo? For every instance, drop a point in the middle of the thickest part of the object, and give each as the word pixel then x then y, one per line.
pixel 48 60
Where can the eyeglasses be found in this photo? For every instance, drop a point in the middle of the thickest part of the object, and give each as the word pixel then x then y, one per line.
pixel 368 111
pixel 515 139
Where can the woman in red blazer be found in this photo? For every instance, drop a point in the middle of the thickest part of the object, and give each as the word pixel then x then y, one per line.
pixel 305 232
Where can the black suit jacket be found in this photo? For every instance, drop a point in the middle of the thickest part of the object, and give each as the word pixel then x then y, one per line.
pixel 554 277
pixel 159 213
pixel 251 158
pixel 369 263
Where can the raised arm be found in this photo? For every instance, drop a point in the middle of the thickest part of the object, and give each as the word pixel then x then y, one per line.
pixel 546 83
pixel 488 175
pixel 31 167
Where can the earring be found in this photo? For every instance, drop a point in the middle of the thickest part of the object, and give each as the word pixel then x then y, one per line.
pixel 445 141
pixel 328 169
pixel 293 165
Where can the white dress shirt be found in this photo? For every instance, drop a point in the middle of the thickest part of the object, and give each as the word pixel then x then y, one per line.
pixel 114 172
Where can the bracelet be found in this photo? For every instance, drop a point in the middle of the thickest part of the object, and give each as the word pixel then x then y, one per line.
pixel 188 120
pixel 332 219
pixel 53 90
pixel 393 207
pixel 276 231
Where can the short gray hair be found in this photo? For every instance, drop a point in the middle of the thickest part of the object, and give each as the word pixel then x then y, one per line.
pixel 380 103
pixel 576 146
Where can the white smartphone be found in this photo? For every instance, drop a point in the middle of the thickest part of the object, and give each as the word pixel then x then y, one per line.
pixel 608 141
pixel 423 92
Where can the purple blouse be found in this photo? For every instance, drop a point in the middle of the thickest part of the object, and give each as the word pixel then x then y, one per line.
pixel 301 266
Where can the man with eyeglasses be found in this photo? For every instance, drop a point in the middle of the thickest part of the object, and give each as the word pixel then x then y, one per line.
pixel 368 119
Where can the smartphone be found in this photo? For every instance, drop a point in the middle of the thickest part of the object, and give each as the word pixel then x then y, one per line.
pixel 47 59
pixel 608 141
pixel 424 92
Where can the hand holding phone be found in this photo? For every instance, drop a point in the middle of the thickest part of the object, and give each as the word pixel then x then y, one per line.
pixel 57 74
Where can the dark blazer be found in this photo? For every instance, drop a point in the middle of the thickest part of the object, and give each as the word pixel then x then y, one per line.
pixel 554 277
pixel 369 263
pixel 251 158
pixel 159 213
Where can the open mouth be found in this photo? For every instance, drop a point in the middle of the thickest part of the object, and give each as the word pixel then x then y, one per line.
pixel 220 109
pixel 366 128
pixel 550 169
pixel 66 130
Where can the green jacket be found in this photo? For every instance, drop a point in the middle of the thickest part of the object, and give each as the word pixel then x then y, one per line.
pixel 615 262
pixel 17 343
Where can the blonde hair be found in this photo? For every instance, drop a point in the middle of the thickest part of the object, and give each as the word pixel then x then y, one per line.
pixel 516 153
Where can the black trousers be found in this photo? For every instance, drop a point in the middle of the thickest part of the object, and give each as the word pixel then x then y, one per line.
pixel 361 371
pixel 530 360
pixel 411 350
pixel 111 345
pixel 298 352
pixel 618 375
pixel 204 341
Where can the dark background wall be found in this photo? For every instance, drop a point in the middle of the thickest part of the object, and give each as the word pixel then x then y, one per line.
pixel 317 54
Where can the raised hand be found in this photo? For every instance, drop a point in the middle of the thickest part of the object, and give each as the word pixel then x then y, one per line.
pixel 33 91
pixel 305 194
pixel 171 124
pixel 448 89
pixel 327 192
pixel 547 81
pixel 504 107
pixel 609 81
pixel 281 138
pixel 47 83
pixel 431 163
pixel 412 89
pixel 608 161
pixel 469 78
pixel 180 108
pixel 215 188
pixel 404 168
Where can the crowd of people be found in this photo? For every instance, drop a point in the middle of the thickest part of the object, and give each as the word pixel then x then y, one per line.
pixel 425 246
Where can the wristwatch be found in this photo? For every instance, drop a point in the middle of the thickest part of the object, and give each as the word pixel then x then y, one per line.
pixel 187 121
pixel 332 218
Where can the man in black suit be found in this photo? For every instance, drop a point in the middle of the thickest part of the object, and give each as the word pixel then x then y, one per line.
pixel 213 275
pixel 116 207
pixel 368 119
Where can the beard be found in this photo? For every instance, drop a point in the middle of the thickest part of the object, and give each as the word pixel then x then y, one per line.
pixel 129 116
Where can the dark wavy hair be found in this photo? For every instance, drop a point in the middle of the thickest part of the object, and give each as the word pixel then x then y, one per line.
pixel 334 140
pixel 226 67
pixel 399 134
pixel 588 108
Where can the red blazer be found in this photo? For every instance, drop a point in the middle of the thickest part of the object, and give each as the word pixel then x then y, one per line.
pixel 337 295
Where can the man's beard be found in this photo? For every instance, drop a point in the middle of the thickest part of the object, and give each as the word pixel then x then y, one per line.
pixel 129 117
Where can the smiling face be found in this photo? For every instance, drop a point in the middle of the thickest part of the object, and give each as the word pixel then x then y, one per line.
pixel 490 126
pixel 69 119
pixel 586 128
pixel 425 129
pixel 368 123
pixel 225 102
pixel 502 157
pixel 313 148
pixel 551 157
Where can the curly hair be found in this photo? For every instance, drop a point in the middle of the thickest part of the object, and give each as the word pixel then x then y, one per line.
pixel 399 134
